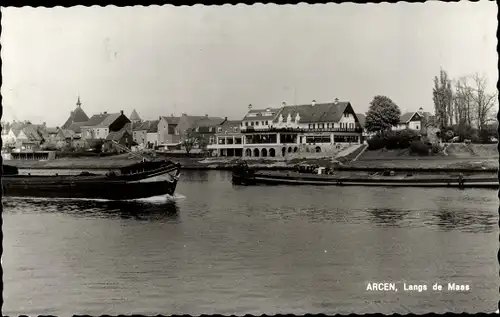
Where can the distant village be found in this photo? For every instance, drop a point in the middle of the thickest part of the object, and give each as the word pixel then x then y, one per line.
pixel 266 132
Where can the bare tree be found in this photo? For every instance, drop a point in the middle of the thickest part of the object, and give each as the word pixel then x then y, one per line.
pixel 463 101
pixel 484 102
pixel 443 99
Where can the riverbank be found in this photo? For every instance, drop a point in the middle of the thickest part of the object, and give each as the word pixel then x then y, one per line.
pixel 430 165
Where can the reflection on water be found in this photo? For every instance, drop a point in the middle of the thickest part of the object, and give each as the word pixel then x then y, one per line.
pixel 139 210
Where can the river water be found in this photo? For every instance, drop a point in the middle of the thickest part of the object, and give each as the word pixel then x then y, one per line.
pixel 216 248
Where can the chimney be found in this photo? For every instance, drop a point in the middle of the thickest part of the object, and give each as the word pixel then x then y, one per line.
pixel 105 112
pixel 159 117
pixel 283 104
pixel 172 115
pixel 336 101
pixel 44 124
pixel 313 103
pixel 184 115
pixel 121 112
pixel 268 109
pixel 206 115
pixel 250 107
pixel 421 110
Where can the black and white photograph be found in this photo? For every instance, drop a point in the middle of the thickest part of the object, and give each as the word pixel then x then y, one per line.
pixel 304 158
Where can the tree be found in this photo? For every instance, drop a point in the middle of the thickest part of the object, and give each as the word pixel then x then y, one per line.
pixel 189 141
pixel 382 114
pixel 442 96
pixel 483 101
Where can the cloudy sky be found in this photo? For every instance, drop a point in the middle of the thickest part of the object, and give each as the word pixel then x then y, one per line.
pixel 217 60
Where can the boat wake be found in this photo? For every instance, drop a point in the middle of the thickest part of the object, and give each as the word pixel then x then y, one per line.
pixel 152 200
pixel 158 199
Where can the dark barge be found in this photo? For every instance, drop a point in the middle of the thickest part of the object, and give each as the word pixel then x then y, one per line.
pixel 243 175
pixel 139 180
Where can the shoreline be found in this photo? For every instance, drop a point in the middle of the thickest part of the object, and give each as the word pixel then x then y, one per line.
pixel 450 165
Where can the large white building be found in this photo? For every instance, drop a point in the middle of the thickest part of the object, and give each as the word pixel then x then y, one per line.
pixel 316 126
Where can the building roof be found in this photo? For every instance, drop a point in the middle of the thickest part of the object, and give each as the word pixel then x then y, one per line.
pixel 151 126
pixel 51 130
pixel 406 117
pixel 171 120
pixel 102 120
pixel 134 116
pixel 67 133
pixel 230 126
pixel 32 132
pixel 320 112
pixel 76 127
pixel 77 115
pixel 117 135
pixel 361 119
pixel 109 119
pixel 261 114
pixel 207 121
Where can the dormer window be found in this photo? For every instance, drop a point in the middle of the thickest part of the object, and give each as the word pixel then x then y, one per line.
pixel 280 118
pixel 219 129
pixel 289 118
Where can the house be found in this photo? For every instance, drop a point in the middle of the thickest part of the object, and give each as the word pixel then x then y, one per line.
pixel 187 122
pixel 76 116
pixel 166 131
pixel 320 125
pixel 29 137
pixel 259 119
pixel 122 137
pixel 146 133
pixel 100 125
pixel 413 120
pixel 53 138
pixel 228 140
pixel 204 131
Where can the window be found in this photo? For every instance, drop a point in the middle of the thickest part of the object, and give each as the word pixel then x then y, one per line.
pixel 267 122
pixel 310 126
pixel 251 123
pixel 246 124
pixel 328 125
pixel 314 126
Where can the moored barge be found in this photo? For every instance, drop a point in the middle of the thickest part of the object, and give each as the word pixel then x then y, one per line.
pixel 243 175
pixel 139 180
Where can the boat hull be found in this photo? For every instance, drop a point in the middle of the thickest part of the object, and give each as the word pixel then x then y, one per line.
pixel 112 190
pixel 292 178
pixel 139 182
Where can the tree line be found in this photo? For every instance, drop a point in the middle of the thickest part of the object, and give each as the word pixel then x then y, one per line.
pixel 464 101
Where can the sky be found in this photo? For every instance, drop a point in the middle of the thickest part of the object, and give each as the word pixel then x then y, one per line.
pixel 217 60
